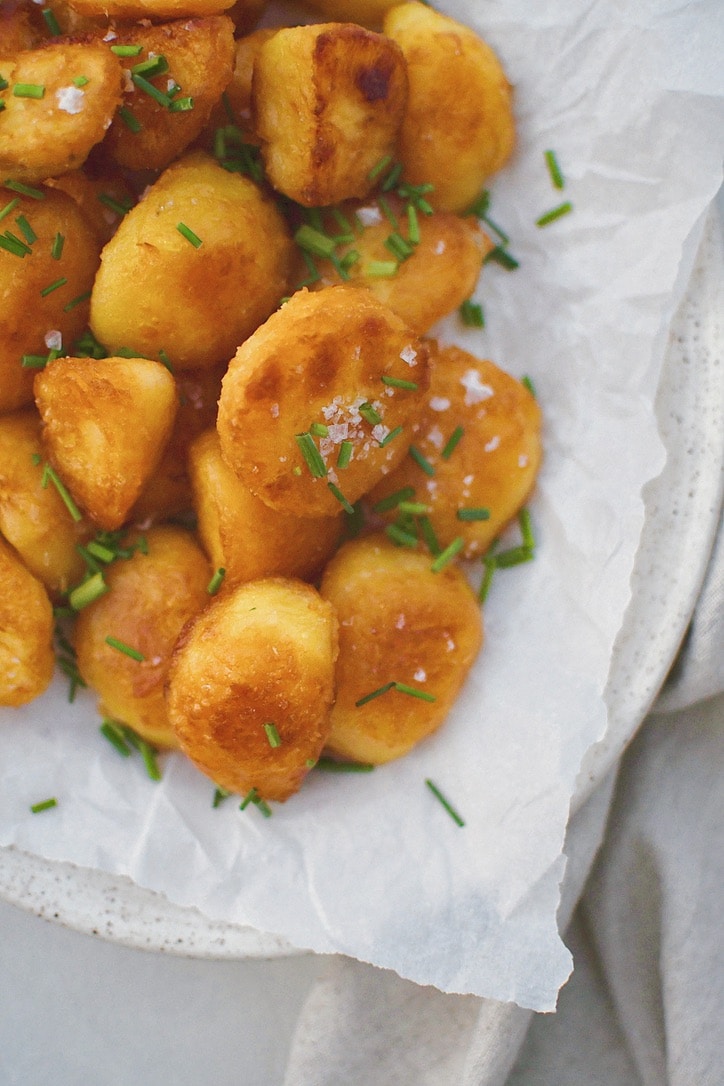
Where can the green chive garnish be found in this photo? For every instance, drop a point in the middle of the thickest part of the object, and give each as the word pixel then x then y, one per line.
pixel 311 454
pixel 9 208
pixel 515 556
pixel 488 574
pixel 421 460
pixel 319 429
pixel 379 168
pixel 345 454
pixel 216 581
pixel 81 81
pixel 346 505
pixel 452 442
pixel 471 314
pixel 390 437
pixel 400 536
pixel 473 513
pixel 445 802
pixel 331 765
pixel 110 730
pixel 116 206
pixel 554 213
pixel 149 760
pixel 129 119
pixel 184 230
pixel 51 22
pixel 370 414
pixel 526 528
pixel 272 734
pixel 554 170
pixel 44 805
pixel 25 190
pixel 220 794
pixel 127 50
pixel 401 688
pixel 393 500
pixel 87 592
pixel 181 105
pixel 500 255
pixel 374 694
pixel 446 556
pixel 53 286
pixel 381 269
pixel 127 650
pixel 50 475
pixel 314 241
pixel 153 92
pixel 528 384
pixel 57 250
pixel 413 225
pixel 28 90
pixel 26 229
pixel 151 67
pixel 398 382
pixel 76 301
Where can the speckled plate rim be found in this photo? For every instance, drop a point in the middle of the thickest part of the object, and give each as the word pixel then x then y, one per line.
pixel 682 513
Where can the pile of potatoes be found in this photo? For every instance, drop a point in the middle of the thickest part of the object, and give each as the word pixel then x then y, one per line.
pixel 237 471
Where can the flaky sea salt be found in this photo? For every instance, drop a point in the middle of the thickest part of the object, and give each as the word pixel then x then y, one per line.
pixel 70 99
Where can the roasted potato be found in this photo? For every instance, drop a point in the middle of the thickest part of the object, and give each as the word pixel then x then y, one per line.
pixel 251 683
pixel 158 10
pixel 33 516
pixel 103 200
pixel 366 12
pixel 245 537
pixel 71 92
pixel 26 632
pixel 105 425
pixel 157 122
pixel 193 268
pixel 327 102
pixel 44 285
pixel 492 469
pixel 400 623
pixel 439 274
pixel 17 31
pixel 235 105
pixel 150 597
pixel 458 127
pixel 336 363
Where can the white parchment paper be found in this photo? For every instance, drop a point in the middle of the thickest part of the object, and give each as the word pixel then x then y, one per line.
pixel 629 97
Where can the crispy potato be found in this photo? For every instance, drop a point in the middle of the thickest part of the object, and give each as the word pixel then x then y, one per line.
pixel 158 10
pixel 247 538
pixel 368 13
pixel 43 300
pixel 168 491
pixel 48 135
pixel 33 517
pixel 251 683
pixel 438 276
pixel 103 200
pixel 156 291
pixel 458 127
pixel 494 465
pixel 200 56
pixel 71 22
pixel 235 107
pixel 323 359
pixel 26 632
pixel 328 102
pixel 16 30
pixel 399 622
pixel 105 425
pixel 151 596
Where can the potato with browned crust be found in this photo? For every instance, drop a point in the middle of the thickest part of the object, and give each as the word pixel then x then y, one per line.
pixel 158 10
pixel 105 426
pixel 33 516
pixel 155 124
pixel 473 487
pixel 444 256
pixel 328 102
pixel 193 268
pixel 103 199
pixel 150 597
pixel 368 13
pixel 407 638
pixel 26 632
pixel 458 127
pixel 234 108
pixel 251 683
pixel 320 402
pixel 246 538
pixel 44 285
pixel 17 31
pixel 71 91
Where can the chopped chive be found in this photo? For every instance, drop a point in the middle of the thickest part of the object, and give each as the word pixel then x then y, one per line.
pixel 186 232
pixel 473 513
pixel 446 556
pixel 414 692
pixel 392 178
pixel 17 242
pixel 393 500
pixel 50 475
pixel 388 212
pixel 421 460
pixel 379 168
pixel 526 528
pixel 148 753
pixel 53 286
pixel 127 650
pixel 51 22
pixel 114 735
pixel 9 208
pixel 119 208
pixel 350 258
pixel 445 802
pixel 44 805
pixel 526 380
pixel 311 454
pixel 3 83
pixel 472 314
pixel 515 556
pixel 398 382
pixel 452 442
pixel 220 794
pixel 26 229
pixel 400 536
pixel 34 361
pixel 390 437
pixel 28 90
pixel 398 247
pixel 314 241
pixel 87 592
pixel 127 50
pixel 345 454
pixel 165 360
pixel 554 170
pixel 415 194
pixel 413 225
pixel 129 119
pixel 500 255
pixel 370 413
pixel 416 509
pixel 381 269
pixel 148 88
pixel 13 245
pixel 216 581
pixel 428 534
pixel 272 734
pixel 57 250
pixel 76 301
pixel 151 67
pixel 489 568
pixel 250 797
pixel 81 81
pixel 374 694
pixel 181 105
pixel 100 551
pixel 25 190
pixel 554 213
pixel 331 765
pixel 319 429
pixel 346 505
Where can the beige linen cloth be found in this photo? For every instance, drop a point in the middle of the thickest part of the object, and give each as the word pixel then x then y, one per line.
pixel 642 911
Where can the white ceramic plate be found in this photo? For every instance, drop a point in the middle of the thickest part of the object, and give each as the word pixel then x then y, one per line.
pixel 682 509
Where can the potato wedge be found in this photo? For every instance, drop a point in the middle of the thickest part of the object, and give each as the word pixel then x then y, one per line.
pixel 150 597
pixel 245 537
pixel 328 102
pixel 26 632
pixel 33 517
pixel 196 296
pixel 44 285
pixel 459 126
pixel 52 126
pixel 491 471
pixel 105 426
pixel 251 683
pixel 338 360
pixel 400 623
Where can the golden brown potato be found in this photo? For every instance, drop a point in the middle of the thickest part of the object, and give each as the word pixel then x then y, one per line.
pixel 151 596
pixel 105 426
pixel 26 632
pixel 327 368
pixel 198 56
pixel 493 467
pixel 148 9
pixel 251 683
pixel 438 276
pixel 43 293
pixel 16 29
pixel 458 127
pixel 74 89
pixel 366 12
pixel 328 102
pixel 33 517
pixel 194 297
pixel 103 200
pixel 235 106
pixel 399 623
pixel 70 22
pixel 247 538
